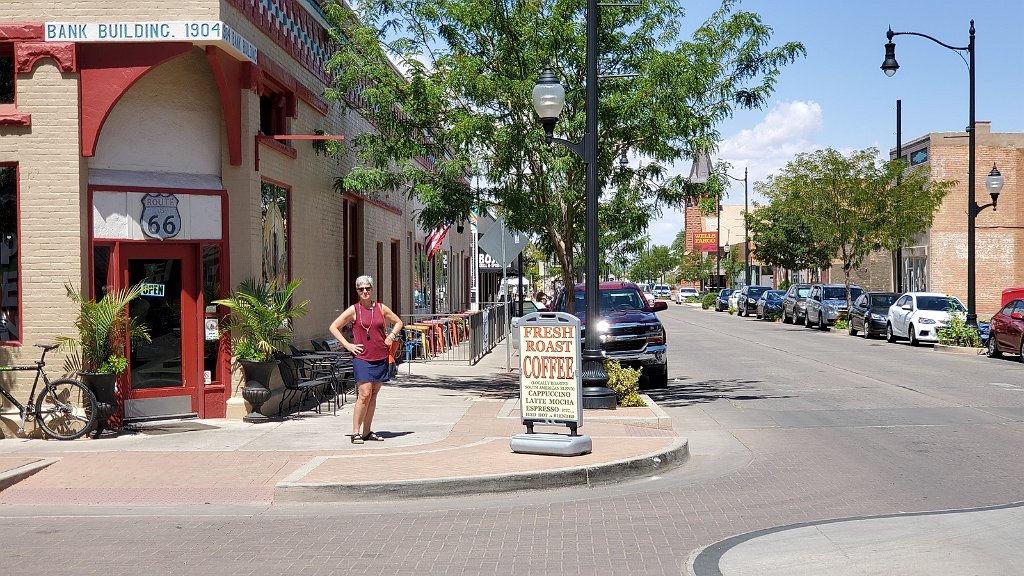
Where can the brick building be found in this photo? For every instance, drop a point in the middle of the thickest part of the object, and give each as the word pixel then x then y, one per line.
pixel 937 260
pixel 168 142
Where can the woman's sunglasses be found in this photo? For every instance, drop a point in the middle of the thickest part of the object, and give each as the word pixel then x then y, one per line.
pixel 365 289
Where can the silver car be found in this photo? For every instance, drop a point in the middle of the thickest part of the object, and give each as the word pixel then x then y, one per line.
pixel 827 303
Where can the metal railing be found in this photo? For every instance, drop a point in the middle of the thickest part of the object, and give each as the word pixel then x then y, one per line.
pixel 457 337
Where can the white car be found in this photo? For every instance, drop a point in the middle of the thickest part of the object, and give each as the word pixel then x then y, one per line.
pixel 918 316
pixel 683 293
pixel 733 299
pixel 650 297
pixel 662 291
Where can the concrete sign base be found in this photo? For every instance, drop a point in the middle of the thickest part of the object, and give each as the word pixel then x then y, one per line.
pixel 551 444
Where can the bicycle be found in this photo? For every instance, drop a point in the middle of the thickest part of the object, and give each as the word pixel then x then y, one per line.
pixel 65 409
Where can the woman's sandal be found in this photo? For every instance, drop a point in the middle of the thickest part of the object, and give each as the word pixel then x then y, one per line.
pixel 356 438
pixel 373 437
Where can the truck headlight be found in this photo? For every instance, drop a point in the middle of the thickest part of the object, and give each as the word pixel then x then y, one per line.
pixel 656 338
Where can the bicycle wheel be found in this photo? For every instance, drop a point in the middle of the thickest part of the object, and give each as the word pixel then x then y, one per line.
pixel 66 409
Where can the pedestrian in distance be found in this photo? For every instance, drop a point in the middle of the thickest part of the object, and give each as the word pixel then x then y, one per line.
pixel 369 347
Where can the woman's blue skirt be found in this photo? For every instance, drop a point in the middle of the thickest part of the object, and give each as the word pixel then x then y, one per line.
pixel 370 370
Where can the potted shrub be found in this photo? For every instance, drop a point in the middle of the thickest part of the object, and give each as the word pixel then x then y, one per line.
pixel 260 324
pixel 97 354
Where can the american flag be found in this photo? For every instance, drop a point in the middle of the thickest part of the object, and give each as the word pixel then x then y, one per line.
pixel 434 240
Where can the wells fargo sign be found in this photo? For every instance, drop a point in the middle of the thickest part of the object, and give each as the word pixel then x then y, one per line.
pixel 705 241
pixel 549 376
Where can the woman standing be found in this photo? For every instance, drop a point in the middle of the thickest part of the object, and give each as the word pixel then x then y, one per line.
pixel 369 353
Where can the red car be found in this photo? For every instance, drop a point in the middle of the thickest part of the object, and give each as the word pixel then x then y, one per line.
pixel 1006 330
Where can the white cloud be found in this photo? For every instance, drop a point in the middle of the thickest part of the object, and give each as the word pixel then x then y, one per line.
pixel 786 130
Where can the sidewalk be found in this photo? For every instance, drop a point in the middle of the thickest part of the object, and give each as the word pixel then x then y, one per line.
pixel 446 428
pixel 981 541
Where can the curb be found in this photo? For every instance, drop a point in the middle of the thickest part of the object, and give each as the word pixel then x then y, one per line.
pixel 584 476
pixel 960 350
pixel 15 475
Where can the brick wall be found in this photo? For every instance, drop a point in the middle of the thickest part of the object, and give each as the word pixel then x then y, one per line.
pixel 999 235
pixel 50 204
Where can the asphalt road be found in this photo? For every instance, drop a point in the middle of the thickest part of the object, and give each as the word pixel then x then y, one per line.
pixel 786 425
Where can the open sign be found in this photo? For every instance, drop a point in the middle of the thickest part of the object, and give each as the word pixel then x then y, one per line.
pixel 152 290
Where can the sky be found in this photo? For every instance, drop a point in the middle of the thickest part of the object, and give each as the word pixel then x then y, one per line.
pixel 837 96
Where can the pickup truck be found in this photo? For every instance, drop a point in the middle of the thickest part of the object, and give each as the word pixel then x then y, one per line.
pixel 630 330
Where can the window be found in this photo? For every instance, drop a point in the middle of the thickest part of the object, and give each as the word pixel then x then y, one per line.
pixel 274 204
pixel 272 117
pixel 6 73
pixel 10 315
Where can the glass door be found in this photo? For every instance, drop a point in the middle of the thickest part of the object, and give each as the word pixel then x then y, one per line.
pixel 163 374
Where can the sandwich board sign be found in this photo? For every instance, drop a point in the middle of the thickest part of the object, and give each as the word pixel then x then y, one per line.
pixel 550 384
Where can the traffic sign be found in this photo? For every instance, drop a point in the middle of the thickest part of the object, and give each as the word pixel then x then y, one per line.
pixel 491 242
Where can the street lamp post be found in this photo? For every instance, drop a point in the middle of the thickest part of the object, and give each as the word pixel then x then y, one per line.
pixel 548 101
pixel 746 230
pixel 718 246
pixel 994 182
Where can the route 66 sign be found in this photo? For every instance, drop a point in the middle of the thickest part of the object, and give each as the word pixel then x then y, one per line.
pixel 160 217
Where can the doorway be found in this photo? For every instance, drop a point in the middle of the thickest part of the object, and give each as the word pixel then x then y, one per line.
pixel 164 373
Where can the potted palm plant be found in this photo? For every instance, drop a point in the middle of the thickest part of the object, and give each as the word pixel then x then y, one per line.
pixel 97 354
pixel 260 324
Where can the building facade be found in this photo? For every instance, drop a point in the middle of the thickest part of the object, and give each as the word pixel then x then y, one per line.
pixel 175 145
pixel 937 260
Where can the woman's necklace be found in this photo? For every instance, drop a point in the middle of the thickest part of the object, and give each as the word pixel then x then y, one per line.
pixel 366 326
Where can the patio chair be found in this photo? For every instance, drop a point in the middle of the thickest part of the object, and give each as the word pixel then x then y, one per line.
pixel 297 382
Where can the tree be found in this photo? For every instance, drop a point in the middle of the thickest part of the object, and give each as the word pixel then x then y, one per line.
pixel 662 261
pixel 854 205
pixel 782 238
pixel 694 267
pixel 471 67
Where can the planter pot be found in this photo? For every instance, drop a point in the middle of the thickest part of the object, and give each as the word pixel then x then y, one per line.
pixel 257 387
pixel 104 387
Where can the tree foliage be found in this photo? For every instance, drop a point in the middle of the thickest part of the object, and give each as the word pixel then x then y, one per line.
pixel 694 267
pixel 850 206
pixel 782 238
pixel 466 106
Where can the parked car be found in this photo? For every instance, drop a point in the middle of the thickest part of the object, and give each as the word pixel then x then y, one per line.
pixel 918 316
pixel 722 300
pixel 649 296
pixel 529 307
pixel 746 302
pixel 827 303
pixel 869 313
pixel 793 303
pixel 662 291
pixel 732 298
pixel 631 331
pixel 1006 330
pixel 769 305
pixel 683 293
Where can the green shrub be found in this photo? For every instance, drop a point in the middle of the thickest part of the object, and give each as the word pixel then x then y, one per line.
pixel 625 382
pixel 785 284
pixel 732 310
pixel 842 324
pixel 708 301
pixel 957 333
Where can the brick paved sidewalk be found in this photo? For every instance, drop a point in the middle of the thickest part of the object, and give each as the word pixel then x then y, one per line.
pixel 442 435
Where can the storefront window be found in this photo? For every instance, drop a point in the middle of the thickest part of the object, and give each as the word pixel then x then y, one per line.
pixel 420 279
pixel 211 292
pixel 275 233
pixel 6 73
pixel 10 315
pixel 100 270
